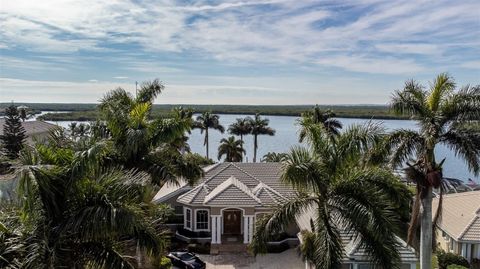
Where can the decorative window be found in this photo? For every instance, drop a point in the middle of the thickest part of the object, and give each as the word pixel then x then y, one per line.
pixel 188 218
pixel 202 220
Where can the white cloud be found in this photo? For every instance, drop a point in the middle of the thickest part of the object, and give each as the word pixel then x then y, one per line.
pixel 249 32
pixel 471 64
pixel 120 77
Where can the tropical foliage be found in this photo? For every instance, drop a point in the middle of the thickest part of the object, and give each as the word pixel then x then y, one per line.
pixel 347 192
pixel 444 116
pixel 79 212
pixel 144 143
pixel 240 127
pixel 13 135
pixel 273 157
pixel 323 118
pixel 258 127
pixel 231 148
pixel 207 121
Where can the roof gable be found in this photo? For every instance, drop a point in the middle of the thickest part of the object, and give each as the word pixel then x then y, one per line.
pixel 255 184
pixel 231 191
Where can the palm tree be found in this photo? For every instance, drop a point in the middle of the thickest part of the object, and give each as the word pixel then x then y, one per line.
pixel 317 116
pixel 231 148
pixel 443 115
pixel 143 143
pixel 206 121
pixel 241 127
pixel 258 127
pixel 273 157
pixel 346 191
pixel 82 214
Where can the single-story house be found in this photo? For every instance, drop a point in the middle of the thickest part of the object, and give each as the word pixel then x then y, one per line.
pixel 34 130
pixel 225 204
pixel 458 229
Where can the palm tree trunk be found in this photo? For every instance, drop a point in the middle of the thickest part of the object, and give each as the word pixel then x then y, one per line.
pixel 426 231
pixel 254 148
pixel 241 139
pixel 206 140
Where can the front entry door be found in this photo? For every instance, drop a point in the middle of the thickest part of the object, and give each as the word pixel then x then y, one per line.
pixel 231 221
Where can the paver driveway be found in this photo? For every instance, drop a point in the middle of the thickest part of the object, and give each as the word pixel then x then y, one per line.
pixel 285 260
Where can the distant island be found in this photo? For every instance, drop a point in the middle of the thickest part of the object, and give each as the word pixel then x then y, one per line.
pixel 88 112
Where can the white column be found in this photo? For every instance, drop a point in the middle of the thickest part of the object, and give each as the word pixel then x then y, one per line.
pixel 250 228
pixel 219 229
pixel 216 235
pixel 245 229
pixel 248 222
pixel 464 250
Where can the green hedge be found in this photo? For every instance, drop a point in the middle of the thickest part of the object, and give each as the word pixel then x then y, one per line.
pixel 454 266
pixel 446 258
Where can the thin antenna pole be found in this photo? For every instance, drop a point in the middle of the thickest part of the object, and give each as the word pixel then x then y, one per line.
pixel 136 91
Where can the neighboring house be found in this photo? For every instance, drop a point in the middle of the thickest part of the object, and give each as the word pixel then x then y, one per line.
pixel 355 254
pixel 458 229
pixel 225 204
pixel 34 130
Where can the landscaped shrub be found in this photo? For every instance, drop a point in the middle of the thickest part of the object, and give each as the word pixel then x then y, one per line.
pixel 454 266
pixel 446 258
pixel 277 248
pixel 191 234
pixel 165 263
pixel 199 248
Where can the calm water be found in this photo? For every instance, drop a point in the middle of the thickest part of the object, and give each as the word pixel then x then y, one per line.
pixel 286 137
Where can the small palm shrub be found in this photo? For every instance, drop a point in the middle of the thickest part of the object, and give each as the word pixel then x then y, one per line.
pixel 445 259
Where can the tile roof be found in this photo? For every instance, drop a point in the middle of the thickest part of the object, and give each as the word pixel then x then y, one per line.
pixel 32 127
pixel 354 249
pixel 255 184
pixel 460 215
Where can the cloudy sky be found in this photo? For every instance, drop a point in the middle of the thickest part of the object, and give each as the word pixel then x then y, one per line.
pixel 234 52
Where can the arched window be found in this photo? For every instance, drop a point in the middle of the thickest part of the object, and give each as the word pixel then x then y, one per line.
pixel 202 220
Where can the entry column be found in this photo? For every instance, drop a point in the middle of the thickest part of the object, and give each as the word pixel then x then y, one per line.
pixel 248 222
pixel 216 229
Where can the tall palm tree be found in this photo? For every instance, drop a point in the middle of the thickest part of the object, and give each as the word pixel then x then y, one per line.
pixel 258 127
pixel 317 116
pixel 142 142
pixel 347 191
pixel 231 148
pixel 206 121
pixel 241 127
pixel 443 115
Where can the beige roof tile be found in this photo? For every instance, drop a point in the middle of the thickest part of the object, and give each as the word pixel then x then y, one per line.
pixel 461 215
pixel 256 184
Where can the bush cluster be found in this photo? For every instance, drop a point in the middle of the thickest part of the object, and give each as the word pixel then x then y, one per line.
pixel 446 259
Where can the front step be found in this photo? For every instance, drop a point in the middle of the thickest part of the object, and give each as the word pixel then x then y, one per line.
pixel 228 248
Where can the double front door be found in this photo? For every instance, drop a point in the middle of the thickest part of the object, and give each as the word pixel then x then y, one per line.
pixel 232 221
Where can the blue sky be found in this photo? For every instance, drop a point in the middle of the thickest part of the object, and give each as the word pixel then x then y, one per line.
pixel 234 52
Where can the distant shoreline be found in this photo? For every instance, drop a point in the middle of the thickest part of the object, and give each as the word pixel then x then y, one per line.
pixel 88 112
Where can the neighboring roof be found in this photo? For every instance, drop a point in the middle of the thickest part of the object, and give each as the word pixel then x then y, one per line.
pixel 170 190
pixel 353 244
pixel 254 184
pixel 460 215
pixel 32 127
